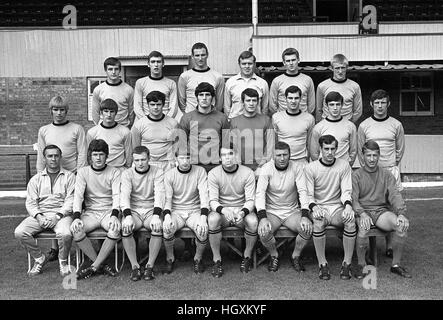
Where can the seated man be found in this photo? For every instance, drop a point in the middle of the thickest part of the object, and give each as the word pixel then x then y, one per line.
pixel 329 186
pixel 49 203
pixel 142 199
pixel 281 190
pixel 186 205
pixel 377 201
pixel 231 197
pixel 99 186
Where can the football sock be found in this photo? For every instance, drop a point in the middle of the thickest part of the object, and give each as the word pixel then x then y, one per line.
pixel 362 248
pixel 86 246
pixel 300 243
pixel 154 248
pixel 104 252
pixel 200 248
pixel 268 242
pixel 215 237
pixel 251 239
pixel 319 239
pixel 130 249
pixel 349 244
pixel 169 247
pixel 397 247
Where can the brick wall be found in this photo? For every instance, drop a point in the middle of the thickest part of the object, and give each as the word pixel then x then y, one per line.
pixel 24 106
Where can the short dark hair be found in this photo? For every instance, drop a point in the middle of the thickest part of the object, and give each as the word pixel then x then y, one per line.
pixel 156 54
pixel 379 94
pixel 327 139
pixel 111 61
pixel 250 93
pixel 98 145
pixel 246 55
pixel 205 87
pixel 155 96
pixel 52 146
pixel 109 104
pixel 370 145
pixel 292 89
pixel 333 96
pixel 140 150
pixel 280 145
pixel 199 45
pixel 288 52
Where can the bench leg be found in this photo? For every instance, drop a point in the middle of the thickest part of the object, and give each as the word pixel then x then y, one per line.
pixel 373 250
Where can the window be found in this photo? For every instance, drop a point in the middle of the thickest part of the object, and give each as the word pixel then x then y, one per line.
pixel 92 83
pixel 417 94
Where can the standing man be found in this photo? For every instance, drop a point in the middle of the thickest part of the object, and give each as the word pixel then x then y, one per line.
pixel 294 126
pixel 336 125
pixel 206 128
pixel 238 83
pixel 186 204
pixel 252 132
pixel 49 204
pixel 155 81
pixel 329 185
pixel 141 200
pixel 68 136
pixel 190 79
pixel 388 132
pixel 291 77
pixel 377 201
pixel 281 199
pixel 117 137
pixel 157 132
pixel 114 88
pixel 350 91
pixel 98 185
pixel 231 197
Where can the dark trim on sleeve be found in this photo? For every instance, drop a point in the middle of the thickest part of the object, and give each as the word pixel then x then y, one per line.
pixel 219 209
pixel 76 215
pixel 261 214
pixel 158 211
pixel 115 213
pixel 204 211
pixel 127 212
pixel 312 205
pixel 245 210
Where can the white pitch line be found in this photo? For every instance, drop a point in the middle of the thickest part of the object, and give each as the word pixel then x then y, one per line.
pixel 14 216
pixel 423 199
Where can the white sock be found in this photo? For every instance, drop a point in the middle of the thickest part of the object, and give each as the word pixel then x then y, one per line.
pixel 41 259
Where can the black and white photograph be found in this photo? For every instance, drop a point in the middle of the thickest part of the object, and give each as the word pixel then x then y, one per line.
pixel 221 158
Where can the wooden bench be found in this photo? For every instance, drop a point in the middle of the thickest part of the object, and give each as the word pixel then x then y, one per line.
pixel 98 234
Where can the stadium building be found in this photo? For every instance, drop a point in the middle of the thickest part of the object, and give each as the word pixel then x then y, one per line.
pixel 48 48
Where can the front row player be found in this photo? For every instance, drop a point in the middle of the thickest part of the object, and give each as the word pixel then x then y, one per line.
pixel 49 204
pixel 142 200
pixel 281 185
pixel 374 195
pixel 99 186
pixel 231 197
pixel 329 186
pixel 186 204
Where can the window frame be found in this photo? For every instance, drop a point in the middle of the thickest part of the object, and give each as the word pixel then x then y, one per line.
pixel 431 111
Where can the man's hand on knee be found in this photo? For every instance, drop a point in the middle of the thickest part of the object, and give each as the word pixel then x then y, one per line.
pixel 264 227
pixel 128 225
pixel 76 226
pixel 306 225
pixel 402 223
pixel 167 224
pixel 202 227
pixel 347 214
pixel 365 221
pixel 114 224
pixel 156 223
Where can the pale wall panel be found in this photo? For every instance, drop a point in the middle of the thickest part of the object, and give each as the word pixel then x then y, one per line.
pixel 356 48
pixel 423 154
pixel 73 53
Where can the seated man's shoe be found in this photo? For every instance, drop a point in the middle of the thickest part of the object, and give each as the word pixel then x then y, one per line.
pixel 38 265
pixel 246 265
pixel 400 271
pixel 297 264
pixel 217 269
pixel 86 273
pixel 198 266
pixel 358 272
pixel 324 272
pixel 107 270
pixel 274 264
pixel 149 273
pixel 136 274
pixel 345 271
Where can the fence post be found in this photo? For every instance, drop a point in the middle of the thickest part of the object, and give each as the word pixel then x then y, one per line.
pixel 28 168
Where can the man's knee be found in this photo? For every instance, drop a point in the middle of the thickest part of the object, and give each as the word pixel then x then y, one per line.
pixel 19 232
pixel 350 226
pixel 64 235
pixel 319 225
pixel 251 222
pixel 214 220
pixel 400 233
pixel 114 234
pixel 79 234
